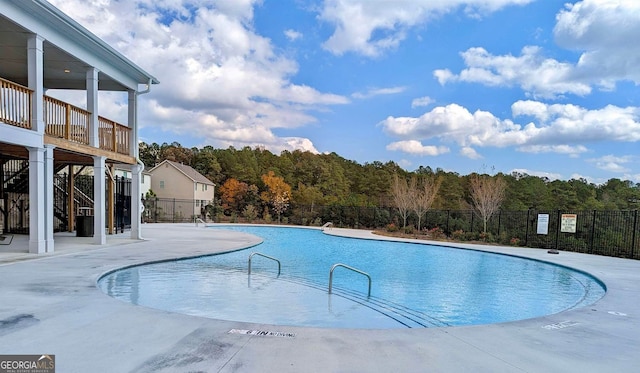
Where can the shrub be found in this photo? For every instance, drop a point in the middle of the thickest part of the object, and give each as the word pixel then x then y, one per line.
pixel 436 233
pixel 503 238
pixel 458 235
pixel 486 237
pixel 392 227
pixel 515 241
pixel 471 236
pixel 250 213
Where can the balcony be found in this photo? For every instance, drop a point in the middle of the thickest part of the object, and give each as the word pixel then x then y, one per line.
pixel 63 121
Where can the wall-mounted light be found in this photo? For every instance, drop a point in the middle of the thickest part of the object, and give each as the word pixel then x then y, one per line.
pixel 67 71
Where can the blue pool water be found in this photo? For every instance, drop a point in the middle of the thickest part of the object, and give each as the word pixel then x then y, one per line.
pixel 413 285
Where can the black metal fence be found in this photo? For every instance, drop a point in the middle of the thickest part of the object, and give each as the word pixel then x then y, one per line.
pixel 122 197
pixel 610 233
pixel 172 210
pixel 14 201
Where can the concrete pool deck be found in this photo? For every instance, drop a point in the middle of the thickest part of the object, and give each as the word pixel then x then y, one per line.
pixel 50 304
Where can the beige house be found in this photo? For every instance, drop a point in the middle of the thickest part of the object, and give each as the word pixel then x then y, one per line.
pixel 175 180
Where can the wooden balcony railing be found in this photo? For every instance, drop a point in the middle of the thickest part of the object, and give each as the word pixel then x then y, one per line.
pixel 15 104
pixel 113 136
pixel 62 120
pixel 66 121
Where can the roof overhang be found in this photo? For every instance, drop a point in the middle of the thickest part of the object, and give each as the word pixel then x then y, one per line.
pixel 70 50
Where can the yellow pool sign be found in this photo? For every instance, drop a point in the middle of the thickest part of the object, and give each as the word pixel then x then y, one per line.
pixel 568 223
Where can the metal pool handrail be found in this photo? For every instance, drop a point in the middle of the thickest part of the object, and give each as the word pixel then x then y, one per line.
pixel 351 268
pixel 264 256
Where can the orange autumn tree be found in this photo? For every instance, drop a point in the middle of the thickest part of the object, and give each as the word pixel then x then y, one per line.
pixel 278 193
pixel 233 193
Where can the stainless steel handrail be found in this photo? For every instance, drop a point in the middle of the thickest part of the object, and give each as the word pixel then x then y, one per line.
pixel 264 256
pixel 351 268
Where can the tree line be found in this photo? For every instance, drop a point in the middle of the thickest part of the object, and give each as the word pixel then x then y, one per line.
pixel 257 177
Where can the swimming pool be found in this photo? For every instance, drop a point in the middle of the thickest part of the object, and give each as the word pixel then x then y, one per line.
pixel 413 285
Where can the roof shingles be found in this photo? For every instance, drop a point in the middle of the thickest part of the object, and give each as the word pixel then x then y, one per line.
pixel 190 172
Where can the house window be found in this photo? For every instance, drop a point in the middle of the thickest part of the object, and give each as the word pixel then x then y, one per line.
pixel 125 174
pixel 195 187
pixel 161 184
pixel 142 178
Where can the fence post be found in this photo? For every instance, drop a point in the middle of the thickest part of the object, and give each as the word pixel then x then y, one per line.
pixel 633 237
pixel 558 221
pixel 448 230
pixel 526 230
pixel 472 214
pixel 593 231
pixel 173 212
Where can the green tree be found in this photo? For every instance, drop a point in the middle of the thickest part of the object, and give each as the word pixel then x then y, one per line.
pixel 205 161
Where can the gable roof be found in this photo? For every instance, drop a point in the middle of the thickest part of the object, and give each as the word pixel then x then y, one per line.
pixel 188 171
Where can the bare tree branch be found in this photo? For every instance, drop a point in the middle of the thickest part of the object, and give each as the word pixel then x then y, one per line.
pixel 487 194
pixel 424 196
pixel 402 197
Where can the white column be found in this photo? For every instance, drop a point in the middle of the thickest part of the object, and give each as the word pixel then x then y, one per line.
pixel 99 195
pixel 37 243
pixel 133 123
pixel 92 106
pixel 48 197
pixel 136 203
pixel 35 66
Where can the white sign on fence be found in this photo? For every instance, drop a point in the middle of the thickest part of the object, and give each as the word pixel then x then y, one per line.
pixel 569 223
pixel 543 224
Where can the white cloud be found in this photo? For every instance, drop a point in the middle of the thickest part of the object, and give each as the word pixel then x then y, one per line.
pixel 589 179
pixel 567 123
pixel 605 31
pixel 470 153
pixel 378 92
pixel 422 101
pixel 416 147
pixel 633 177
pixel 612 163
pixel 405 163
pixel 292 35
pixel 455 123
pixel 531 71
pixel 543 174
pixel 359 22
pixel 560 128
pixel 220 80
pixel 572 151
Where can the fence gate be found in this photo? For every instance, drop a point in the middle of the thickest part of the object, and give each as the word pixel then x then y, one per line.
pixel 123 203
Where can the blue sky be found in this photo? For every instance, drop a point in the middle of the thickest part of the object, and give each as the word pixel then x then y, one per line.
pixel 543 87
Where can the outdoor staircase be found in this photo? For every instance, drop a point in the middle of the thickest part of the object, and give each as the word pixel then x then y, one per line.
pixel 14 196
